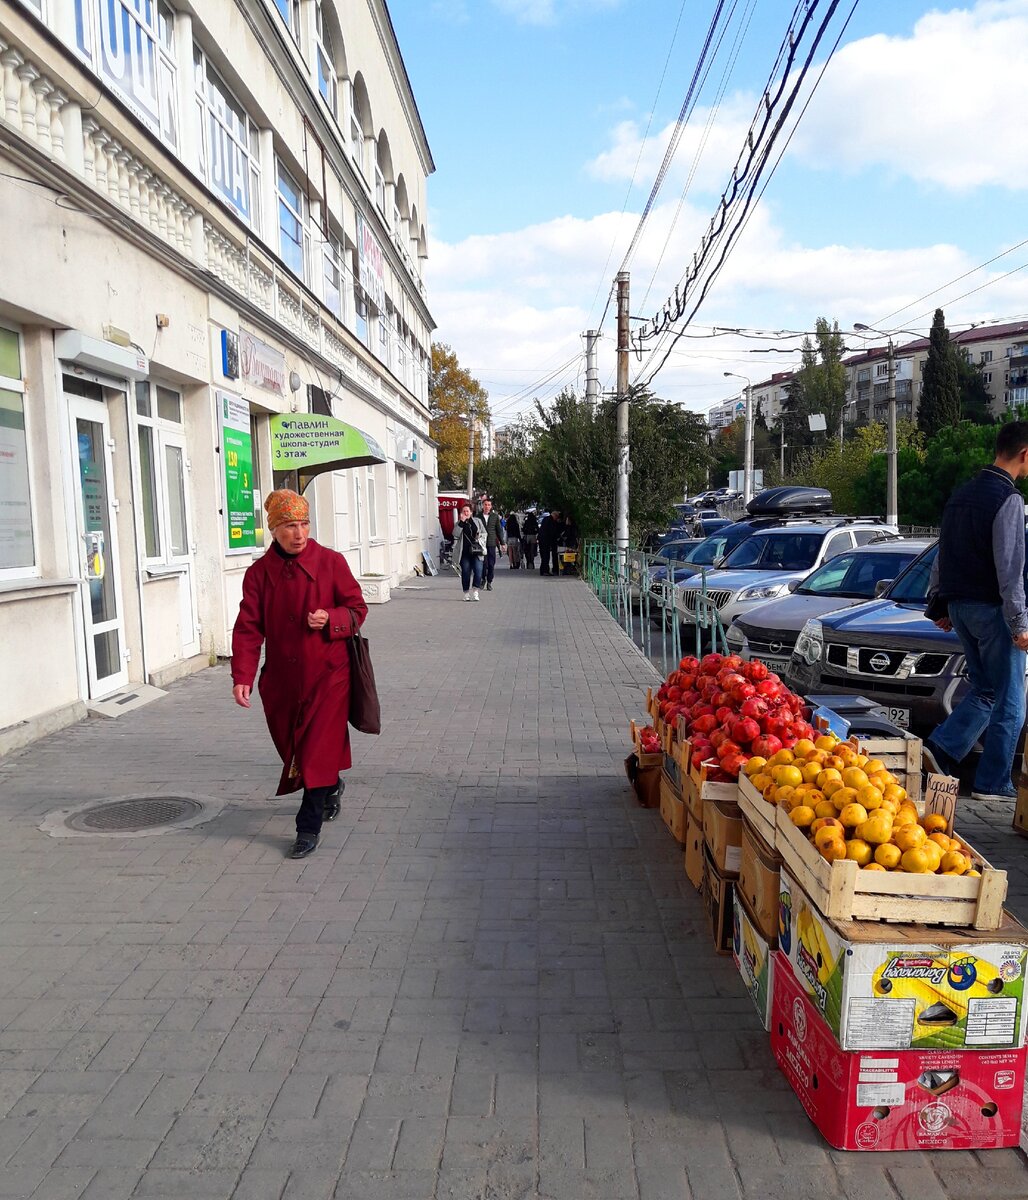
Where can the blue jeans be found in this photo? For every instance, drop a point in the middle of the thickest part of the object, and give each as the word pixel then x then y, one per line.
pixel 995 704
pixel 470 565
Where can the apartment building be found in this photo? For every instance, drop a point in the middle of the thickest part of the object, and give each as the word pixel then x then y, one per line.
pixel 214 218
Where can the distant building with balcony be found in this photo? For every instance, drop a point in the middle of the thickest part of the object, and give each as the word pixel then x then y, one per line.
pixel 722 415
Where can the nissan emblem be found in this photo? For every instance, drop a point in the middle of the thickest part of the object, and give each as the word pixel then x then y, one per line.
pixel 880 662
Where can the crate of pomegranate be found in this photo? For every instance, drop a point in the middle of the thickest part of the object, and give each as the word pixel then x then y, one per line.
pixel 860 845
pixel 731 711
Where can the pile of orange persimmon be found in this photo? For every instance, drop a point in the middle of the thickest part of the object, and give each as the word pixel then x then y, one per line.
pixel 850 806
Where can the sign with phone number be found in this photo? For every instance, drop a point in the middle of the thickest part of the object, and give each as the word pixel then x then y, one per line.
pixel 237 467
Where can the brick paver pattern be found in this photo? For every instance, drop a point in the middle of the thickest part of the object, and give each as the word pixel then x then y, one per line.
pixel 492 979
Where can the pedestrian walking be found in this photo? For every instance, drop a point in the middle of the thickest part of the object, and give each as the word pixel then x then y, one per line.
pixel 513 531
pixel 302 603
pixel 529 538
pixel 495 539
pixel 469 538
pixel 549 539
pixel 977 590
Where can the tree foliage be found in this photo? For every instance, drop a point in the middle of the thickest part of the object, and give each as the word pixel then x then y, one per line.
pixel 939 406
pixel 818 387
pixel 454 398
pixel 975 401
pixel 568 455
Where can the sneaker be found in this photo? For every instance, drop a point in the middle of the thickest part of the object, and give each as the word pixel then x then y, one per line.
pixel 467 596
pixel 488 587
pixel 475 595
pixel 998 797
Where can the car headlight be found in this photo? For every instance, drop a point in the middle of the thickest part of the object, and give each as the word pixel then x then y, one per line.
pixel 810 643
pixel 764 591
pixel 736 638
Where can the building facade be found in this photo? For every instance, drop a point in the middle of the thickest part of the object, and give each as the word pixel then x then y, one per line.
pixel 214 218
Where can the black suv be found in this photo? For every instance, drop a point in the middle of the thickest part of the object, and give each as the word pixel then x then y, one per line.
pixel 888 651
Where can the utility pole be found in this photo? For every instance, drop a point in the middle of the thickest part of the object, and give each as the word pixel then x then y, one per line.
pixel 891 503
pixel 592 371
pixel 781 427
pixel 471 455
pixel 624 464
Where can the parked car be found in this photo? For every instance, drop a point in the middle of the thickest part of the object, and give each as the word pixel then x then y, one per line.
pixel 764 565
pixel 769 631
pixel 888 651
pixel 705 526
pixel 669 554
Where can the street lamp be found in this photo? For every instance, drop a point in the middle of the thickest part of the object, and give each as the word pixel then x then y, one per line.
pixel 892 502
pixel 747 476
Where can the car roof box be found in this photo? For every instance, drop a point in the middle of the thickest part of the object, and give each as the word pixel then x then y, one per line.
pixel 797 501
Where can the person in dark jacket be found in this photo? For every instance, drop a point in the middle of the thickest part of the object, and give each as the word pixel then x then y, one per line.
pixel 495 539
pixel 529 539
pixel 513 532
pixel 977 590
pixel 549 539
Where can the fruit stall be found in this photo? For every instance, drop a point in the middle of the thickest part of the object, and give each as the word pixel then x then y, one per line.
pixel 870 934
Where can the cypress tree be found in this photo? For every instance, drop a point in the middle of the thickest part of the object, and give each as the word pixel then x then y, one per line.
pixel 940 381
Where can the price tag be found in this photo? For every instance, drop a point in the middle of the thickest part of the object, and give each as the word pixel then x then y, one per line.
pixel 940 796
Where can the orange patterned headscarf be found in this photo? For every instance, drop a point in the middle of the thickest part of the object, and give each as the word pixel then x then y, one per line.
pixel 284 506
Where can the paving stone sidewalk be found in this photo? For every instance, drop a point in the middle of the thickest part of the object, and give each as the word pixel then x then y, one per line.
pixel 492 979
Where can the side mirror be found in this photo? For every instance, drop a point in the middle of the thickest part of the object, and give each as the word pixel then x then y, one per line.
pixel 793 584
pixel 882 586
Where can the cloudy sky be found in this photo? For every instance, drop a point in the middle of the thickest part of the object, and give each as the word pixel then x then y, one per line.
pixel 549 119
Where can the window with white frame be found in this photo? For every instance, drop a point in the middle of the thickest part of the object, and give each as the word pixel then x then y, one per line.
pixel 409 530
pixel 294 236
pixel 987 378
pixel 289 11
pixel 35 6
pixel 332 275
pixel 383 337
pixel 357 528
pixel 130 44
pixel 328 80
pixel 162 473
pixel 372 505
pixel 356 133
pixel 360 304
pixel 380 186
pixel 986 356
pixel 17 545
pixel 228 143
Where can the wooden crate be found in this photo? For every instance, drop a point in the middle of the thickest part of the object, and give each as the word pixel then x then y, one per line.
pixel 844 892
pixel 652 705
pixel 707 789
pixel 1020 821
pixel 645 760
pixel 672 810
pixel 757 812
pixel 901 755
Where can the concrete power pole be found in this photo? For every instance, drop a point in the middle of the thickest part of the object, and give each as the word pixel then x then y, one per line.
pixel 624 464
pixel 892 501
pixel 592 371
pixel 471 455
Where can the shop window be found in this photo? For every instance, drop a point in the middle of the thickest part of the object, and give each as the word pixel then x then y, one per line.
pixel 130 44
pixel 228 143
pixel 17 546
pixel 163 468
pixel 293 229
pixel 372 505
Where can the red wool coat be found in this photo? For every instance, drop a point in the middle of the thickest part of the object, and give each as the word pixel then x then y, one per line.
pixel 305 683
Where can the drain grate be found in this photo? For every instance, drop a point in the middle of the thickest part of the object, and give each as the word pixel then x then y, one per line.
pixel 134 814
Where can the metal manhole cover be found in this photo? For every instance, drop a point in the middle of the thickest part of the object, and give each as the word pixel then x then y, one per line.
pixel 131 816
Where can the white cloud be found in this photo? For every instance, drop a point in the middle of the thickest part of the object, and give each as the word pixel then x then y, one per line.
pixel 944 106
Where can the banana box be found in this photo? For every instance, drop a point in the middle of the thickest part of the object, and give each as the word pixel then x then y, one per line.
pixel 753 958
pixel 894 987
pixel 894 1099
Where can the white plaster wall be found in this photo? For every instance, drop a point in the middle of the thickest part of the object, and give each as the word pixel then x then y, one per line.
pixel 37 646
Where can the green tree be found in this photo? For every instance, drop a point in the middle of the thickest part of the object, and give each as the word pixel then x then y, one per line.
pixel 975 401
pixel 454 398
pixel 510 477
pixel 939 406
pixel 817 388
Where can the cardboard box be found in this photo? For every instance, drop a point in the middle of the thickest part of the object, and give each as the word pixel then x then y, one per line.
pixel 758 883
pixel 672 810
pixel 754 958
pixel 718 893
pixel 694 850
pixel 893 987
pixel 1020 821
pixel 722 831
pixel 645 781
pixel 893 1100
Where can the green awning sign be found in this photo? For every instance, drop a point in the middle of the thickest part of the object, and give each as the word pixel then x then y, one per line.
pixel 311 444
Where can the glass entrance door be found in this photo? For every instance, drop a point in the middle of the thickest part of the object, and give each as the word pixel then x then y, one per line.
pixel 97 536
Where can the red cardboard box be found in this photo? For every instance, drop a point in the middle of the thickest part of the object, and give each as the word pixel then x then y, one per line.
pixel 893 1099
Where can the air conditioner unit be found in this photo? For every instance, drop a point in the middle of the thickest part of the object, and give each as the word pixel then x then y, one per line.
pixel 407 449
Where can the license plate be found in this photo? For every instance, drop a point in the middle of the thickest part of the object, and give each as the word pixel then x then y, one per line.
pixel 898 716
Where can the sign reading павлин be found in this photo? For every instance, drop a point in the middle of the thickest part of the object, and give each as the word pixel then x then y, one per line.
pixel 304 442
pixel 237 465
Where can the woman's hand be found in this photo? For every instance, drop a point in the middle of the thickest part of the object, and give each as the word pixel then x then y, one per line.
pixel 317 619
pixel 241 695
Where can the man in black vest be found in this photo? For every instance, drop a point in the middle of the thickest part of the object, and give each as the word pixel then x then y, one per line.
pixel 978 583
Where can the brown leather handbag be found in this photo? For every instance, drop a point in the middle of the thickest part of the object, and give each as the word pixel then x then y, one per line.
pixel 365 710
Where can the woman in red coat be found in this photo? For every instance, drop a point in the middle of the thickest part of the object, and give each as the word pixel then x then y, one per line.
pixel 300 599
